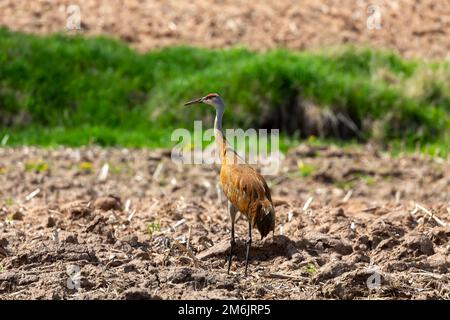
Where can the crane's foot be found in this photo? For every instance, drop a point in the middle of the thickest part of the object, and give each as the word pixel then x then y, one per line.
pixel 248 242
pixel 232 244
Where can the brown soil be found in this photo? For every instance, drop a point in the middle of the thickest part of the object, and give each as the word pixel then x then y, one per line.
pixel 418 28
pixel 127 237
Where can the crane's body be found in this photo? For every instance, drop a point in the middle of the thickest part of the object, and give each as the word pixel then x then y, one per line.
pixel 245 189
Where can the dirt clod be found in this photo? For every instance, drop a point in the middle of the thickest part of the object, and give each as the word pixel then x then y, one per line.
pixel 180 275
pixel 51 222
pixel 77 209
pixel 108 203
pixel 17 215
pixel 420 243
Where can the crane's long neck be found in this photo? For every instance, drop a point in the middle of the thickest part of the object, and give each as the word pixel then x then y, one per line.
pixel 218 132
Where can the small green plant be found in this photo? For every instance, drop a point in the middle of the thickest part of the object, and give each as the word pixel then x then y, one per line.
pixel 9 219
pixel 38 166
pixel 306 169
pixel 368 180
pixel 312 139
pixel 153 227
pixel 1 268
pixel 116 169
pixel 86 166
pixel 163 182
pixel 311 269
pixel 345 185
pixel 9 202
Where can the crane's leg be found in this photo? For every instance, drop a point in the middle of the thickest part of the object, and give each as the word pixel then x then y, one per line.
pixel 249 243
pixel 232 211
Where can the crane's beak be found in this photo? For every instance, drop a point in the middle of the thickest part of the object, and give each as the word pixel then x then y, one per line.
pixel 199 100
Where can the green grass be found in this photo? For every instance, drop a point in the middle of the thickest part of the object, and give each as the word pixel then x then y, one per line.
pixel 76 91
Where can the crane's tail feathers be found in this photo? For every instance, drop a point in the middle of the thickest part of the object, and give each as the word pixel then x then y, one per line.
pixel 266 222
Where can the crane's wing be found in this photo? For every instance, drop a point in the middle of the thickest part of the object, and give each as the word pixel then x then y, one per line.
pixel 243 186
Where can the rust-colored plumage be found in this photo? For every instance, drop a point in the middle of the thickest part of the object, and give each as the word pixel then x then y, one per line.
pixel 245 189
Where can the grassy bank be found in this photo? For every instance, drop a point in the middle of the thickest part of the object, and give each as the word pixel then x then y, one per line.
pixel 74 91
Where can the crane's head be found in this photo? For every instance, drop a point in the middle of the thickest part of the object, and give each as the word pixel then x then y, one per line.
pixel 212 99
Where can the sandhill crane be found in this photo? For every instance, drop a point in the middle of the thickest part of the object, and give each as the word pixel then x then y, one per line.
pixel 245 189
